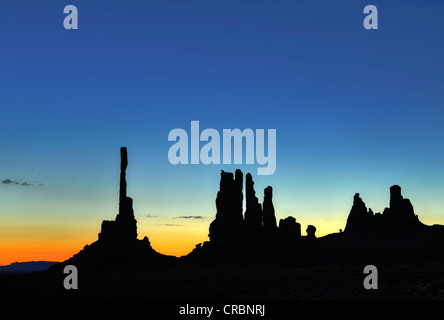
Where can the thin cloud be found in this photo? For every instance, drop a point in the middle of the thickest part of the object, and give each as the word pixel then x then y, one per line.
pixel 7 181
pixel 150 216
pixel 21 183
pixel 189 217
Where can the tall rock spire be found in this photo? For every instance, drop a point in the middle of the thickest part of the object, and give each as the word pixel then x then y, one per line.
pixel 268 210
pixel 253 212
pixel 226 229
pixel 123 166
pixel 124 228
pixel 118 247
pixel 359 219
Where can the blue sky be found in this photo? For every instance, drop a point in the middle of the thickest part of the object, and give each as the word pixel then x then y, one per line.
pixel 355 110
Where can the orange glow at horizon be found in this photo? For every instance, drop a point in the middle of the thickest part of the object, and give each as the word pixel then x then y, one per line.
pixel 59 244
pixel 22 244
pixel 49 246
pixel 41 243
pixel 175 240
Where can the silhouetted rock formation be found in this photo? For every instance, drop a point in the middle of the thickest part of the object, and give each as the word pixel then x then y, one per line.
pixel 257 230
pixel 399 215
pixel 289 229
pixel 226 229
pixel 359 219
pixel 253 212
pixel 268 211
pixel 257 238
pixel 124 228
pixel 311 230
pixel 254 234
pixel 118 247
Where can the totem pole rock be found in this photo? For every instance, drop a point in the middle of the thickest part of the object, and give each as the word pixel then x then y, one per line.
pixel 124 228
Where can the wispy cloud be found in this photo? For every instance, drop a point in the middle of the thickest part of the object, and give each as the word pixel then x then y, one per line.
pixel 189 217
pixel 150 216
pixel 20 182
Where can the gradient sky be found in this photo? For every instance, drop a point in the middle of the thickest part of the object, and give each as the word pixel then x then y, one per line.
pixel 355 111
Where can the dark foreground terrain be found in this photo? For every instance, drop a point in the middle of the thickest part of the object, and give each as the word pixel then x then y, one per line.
pixel 240 282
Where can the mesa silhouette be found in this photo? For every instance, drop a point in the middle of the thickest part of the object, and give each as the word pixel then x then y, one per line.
pixel 254 235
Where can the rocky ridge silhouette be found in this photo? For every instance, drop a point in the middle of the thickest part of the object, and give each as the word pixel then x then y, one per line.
pixel 238 236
